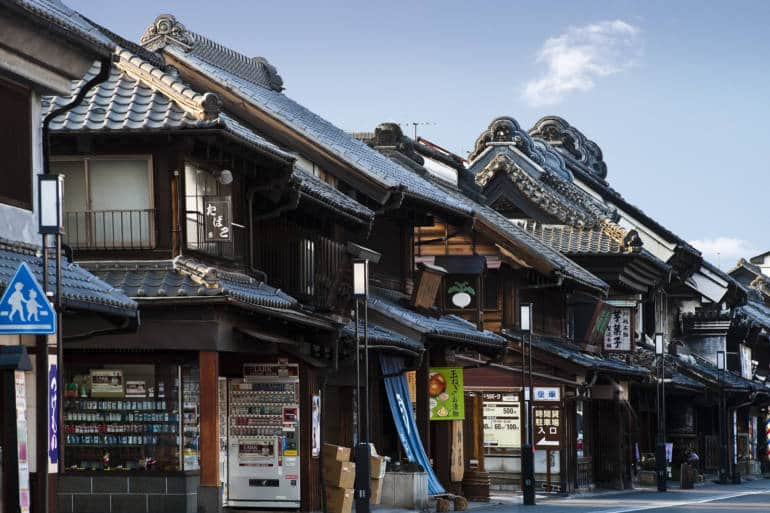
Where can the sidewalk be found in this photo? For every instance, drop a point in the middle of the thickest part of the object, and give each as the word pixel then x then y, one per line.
pixel 613 501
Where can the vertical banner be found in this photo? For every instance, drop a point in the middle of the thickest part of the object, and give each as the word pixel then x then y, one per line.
pixel 53 415
pixel 316 425
pixel 447 397
pixel 21 440
pixel 218 219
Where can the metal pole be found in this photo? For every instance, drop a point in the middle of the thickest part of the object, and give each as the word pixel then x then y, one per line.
pixel 41 400
pixel 356 379
pixel 59 355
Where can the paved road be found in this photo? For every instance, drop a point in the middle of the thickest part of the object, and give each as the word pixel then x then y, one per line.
pixel 749 497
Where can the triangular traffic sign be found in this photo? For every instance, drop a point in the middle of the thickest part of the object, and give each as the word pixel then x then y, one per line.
pixel 24 309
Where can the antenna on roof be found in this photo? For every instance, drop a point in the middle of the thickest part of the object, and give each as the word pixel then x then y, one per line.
pixel 415 124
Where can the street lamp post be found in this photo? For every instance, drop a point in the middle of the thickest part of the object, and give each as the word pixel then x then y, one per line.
pixel 361 440
pixel 660 406
pixel 723 457
pixel 528 446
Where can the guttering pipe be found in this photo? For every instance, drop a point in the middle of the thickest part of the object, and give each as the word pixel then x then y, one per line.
pixel 102 76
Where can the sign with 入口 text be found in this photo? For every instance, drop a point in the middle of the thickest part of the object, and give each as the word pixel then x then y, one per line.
pixel 547 420
pixel 447 397
pixel 217 219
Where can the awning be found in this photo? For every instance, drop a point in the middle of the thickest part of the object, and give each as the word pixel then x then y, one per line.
pixel 383 339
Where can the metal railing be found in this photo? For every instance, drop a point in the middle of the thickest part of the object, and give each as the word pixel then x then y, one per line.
pixel 110 229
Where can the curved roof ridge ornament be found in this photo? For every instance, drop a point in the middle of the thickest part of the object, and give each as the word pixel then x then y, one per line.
pixel 506 129
pixel 164 30
pixel 559 133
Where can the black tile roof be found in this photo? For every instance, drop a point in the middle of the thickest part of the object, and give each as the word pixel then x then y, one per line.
pixel 709 374
pixel 393 305
pixel 123 103
pixel 81 290
pixel 755 311
pixel 379 335
pixel 187 278
pixel 64 21
pixel 256 82
pixel 315 188
pixel 572 352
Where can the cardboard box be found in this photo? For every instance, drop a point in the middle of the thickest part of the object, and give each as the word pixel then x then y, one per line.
pixel 339 500
pixel 377 466
pixel 340 474
pixel 336 453
pixel 375 486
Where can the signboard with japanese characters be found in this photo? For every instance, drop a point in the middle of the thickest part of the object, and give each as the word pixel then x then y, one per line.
pixel 447 397
pixel 619 333
pixel 547 427
pixel 217 219
pixel 547 394
pixel 502 421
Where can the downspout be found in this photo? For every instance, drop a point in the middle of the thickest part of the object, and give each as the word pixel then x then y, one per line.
pixel 102 76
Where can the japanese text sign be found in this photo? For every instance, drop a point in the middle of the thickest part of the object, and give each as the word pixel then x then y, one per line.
pixel 547 427
pixel 447 400
pixel 217 218
pixel 618 335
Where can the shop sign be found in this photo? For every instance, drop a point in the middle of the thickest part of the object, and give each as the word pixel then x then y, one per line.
pixel 217 219
pixel 53 414
pixel 21 441
pixel 618 335
pixel 24 307
pixel 447 397
pixel 547 420
pixel 502 421
pixel 411 384
pixel 547 394
pixel 106 383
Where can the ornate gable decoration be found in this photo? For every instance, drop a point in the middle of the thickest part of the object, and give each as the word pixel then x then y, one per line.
pixel 507 130
pixel 561 134
pixel 538 193
pixel 164 30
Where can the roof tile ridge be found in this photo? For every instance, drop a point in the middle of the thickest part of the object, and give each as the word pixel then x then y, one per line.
pixel 204 106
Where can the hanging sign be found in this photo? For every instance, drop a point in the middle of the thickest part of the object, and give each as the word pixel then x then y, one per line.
pixel 547 394
pixel 618 335
pixel 24 307
pixel 218 219
pixel 316 425
pixel 447 397
pixel 547 427
pixel 53 414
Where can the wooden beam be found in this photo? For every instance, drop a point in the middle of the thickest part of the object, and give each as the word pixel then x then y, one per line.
pixel 208 362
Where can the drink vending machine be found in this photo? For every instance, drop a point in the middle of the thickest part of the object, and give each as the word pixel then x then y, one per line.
pixel 263 452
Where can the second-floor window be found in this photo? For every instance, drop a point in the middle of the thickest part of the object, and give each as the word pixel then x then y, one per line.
pixel 108 202
pixel 15 146
pixel 198 184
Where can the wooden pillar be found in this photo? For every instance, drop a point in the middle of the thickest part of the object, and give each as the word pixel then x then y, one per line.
pixel 208 492
pixel 423 409
pixel 476 480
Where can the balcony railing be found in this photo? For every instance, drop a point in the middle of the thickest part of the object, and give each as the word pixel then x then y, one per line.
pixel 309 266
pixel 110 229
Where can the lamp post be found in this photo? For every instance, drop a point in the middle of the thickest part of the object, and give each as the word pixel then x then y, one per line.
pixel 723 457
pixel 528 445
pixel 50 190
pixel 661 469
pixel 361 440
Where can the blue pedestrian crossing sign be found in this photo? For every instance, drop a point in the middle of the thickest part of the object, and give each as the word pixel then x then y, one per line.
pixel 24 309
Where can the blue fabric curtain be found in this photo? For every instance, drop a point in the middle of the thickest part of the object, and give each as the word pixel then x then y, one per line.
pixel 401 408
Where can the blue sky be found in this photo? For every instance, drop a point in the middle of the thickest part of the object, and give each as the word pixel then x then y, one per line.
pixel 675 93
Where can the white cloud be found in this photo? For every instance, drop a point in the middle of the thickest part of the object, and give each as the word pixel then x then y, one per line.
pixel 579 56
pixel 724 251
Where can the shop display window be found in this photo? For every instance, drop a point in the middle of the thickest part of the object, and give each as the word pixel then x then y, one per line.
pixel 130 417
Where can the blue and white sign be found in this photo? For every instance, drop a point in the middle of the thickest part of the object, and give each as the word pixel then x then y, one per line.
pixel 53 414
pixel 24 309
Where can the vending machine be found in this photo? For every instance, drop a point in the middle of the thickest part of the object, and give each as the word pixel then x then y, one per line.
pixel 263 449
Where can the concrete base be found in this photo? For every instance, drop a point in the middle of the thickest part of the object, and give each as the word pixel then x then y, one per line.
pixel 209 499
